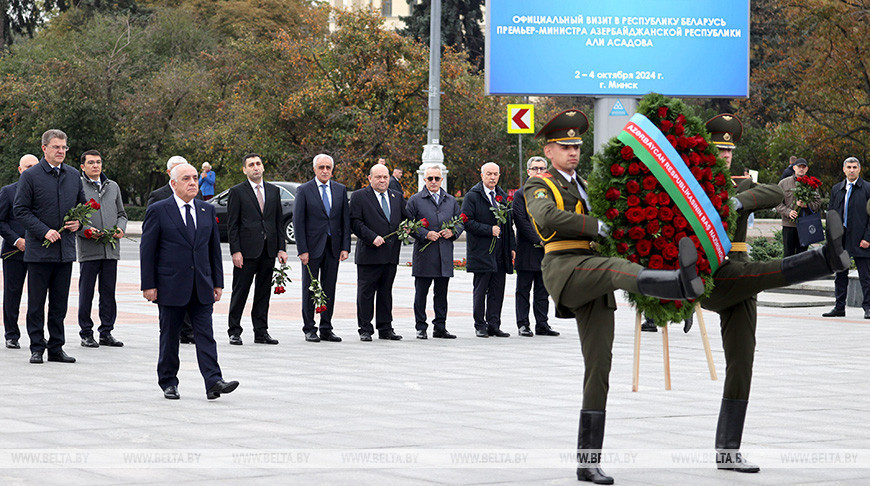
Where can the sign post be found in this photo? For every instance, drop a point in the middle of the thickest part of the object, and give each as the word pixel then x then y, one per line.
pixel 520 120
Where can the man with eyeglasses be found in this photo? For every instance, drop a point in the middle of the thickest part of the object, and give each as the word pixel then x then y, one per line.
pixel 530 252
pixel 434 264
pixel 45 194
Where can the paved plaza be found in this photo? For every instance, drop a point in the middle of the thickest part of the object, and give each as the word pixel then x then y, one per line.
pixel 464 411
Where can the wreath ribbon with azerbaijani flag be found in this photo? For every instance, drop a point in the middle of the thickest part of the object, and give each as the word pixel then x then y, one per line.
pixel 656 182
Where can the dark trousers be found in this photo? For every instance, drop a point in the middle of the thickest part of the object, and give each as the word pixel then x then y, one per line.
pixel 374 295
pixel 595 327
pixel 259 272
pixel 421 290
pixel 107 272
pixel 738 324
pixel 325 269
pixel 487 299
pixel 171 318
pixel 791 243
pixel 841 284
pixel 14 272
pixel 51 279
pixel 525 280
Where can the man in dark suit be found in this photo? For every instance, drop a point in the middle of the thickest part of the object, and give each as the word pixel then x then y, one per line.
pixel 376 211
pixel 160 194
pixel 490 263
pixel 43 197
pixel 180 258
pixel 434 264
pixel 254 222
pixel 395 185
pixel 14 268
pixel 530 252
pixel 322 224
pixel 849 199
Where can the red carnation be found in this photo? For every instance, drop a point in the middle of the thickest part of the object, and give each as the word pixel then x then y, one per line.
pixel 633 201
pixel 425 222
pixel 681 119
pixel 660 243
pixel 679 236
pixel 696 173
pixel 611 213
pixel 649 183
pixel 703 265
pixel 636 233
pixel 88 233
pixel 726 209
pixel 633 168
pixel 725 225
pixel 680 223
pixel 678 304
pixel 617 234
pixel 707 174
pixel 644 169
pixel 463 217
pixel 510 199
pixel 664 199
pixel 632 187
pixel 643 247
pixel 666 126
pixel 719 180
pixel 656 262
pixel 724 195
pixel 662 111
pixel 694 158
pixel 679 130
pixel 626 152
pixel 695 241
pixel 670 251
pixel 93 204
pixel 651 199
pixel 666 213
pixel 668 231
pixel 499 199
pixel 635 215
pixel 320 309
pixel 612 194
pixel 279 289
pixel 700 143
pixel 622 248
pixel 651 213
pixel 617 170
pixel 717 202
pixel 632 258
pixel 708 187
pixel 673 140
pixel 652 227
pixel 684 143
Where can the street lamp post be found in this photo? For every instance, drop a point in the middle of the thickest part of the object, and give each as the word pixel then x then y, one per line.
pixel 432 151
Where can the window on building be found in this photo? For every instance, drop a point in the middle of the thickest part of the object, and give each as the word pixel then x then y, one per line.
pixel 387 8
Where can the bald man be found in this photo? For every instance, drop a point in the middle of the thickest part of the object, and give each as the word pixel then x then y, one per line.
pixel 14 268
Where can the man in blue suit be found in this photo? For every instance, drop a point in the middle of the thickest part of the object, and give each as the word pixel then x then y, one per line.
pixel 14 268
pixel 44 195
pixel 322 223
pixel 180 256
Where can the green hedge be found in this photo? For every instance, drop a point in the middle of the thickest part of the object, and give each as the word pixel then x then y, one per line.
pixel 135 213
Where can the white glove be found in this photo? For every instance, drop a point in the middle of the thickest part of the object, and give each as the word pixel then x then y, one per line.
pixel 603 229
pixel 736 203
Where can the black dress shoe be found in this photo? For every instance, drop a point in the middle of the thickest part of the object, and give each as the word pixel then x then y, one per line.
pixel 499 333
pixel 61 357
pixel 36 357
pixel 481 334
pixel 329 336
pixel 443 335
pixel 311 337
pixel 88 342
pixel 186 339
pixel 867 314
pixel 221 387
pixel 171 393
pixel 390 336
pixel 12 344
pixel 109 340
pixel 687 325
pixel 525 331
pixel 421 334
pixel 835 313
pixel 265 339
pixel 545 331
pixel 236 340
pixel 365 336
pixel 649 326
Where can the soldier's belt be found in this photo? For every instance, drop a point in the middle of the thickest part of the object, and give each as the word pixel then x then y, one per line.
pixel 567 245
pixel 739 246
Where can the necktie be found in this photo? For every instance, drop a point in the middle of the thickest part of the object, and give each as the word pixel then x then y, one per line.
pixel 191 229
pixel 846 205
pixel 325 205
pixel 56 171
pixel 492 199
pixel 435 198
pixel 385 205
pixel 260 199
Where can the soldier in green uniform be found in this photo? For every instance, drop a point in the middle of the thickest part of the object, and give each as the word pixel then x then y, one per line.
pixel 582 282
pixel 738 281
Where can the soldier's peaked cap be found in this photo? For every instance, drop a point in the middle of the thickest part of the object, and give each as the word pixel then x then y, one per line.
pixel 565 128
pixel 725 130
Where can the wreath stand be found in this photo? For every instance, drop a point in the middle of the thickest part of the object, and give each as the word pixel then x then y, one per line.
pixel 666 355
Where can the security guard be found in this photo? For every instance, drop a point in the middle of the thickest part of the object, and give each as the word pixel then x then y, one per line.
pixel 738 281
pixel 582 282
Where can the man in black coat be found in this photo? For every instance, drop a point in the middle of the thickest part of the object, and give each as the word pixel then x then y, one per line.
pixel 254 223
pixel 14 268
pixel 432 259
pixel 322 224
pixel 530 252
pixel 160 194
pixel 375 212
pixel 44 195
pixel 849 198
pixel 491 248
pixel 395 185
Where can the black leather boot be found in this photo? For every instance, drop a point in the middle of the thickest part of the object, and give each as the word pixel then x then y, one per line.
pixel 679 284
pixel 819 262
pixel 589 442
pixel 729 432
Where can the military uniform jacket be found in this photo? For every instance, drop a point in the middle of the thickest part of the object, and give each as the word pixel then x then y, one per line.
pixel 557 225
pixel 753 197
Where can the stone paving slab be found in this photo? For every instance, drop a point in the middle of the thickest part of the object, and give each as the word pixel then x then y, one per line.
pixel 467 411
